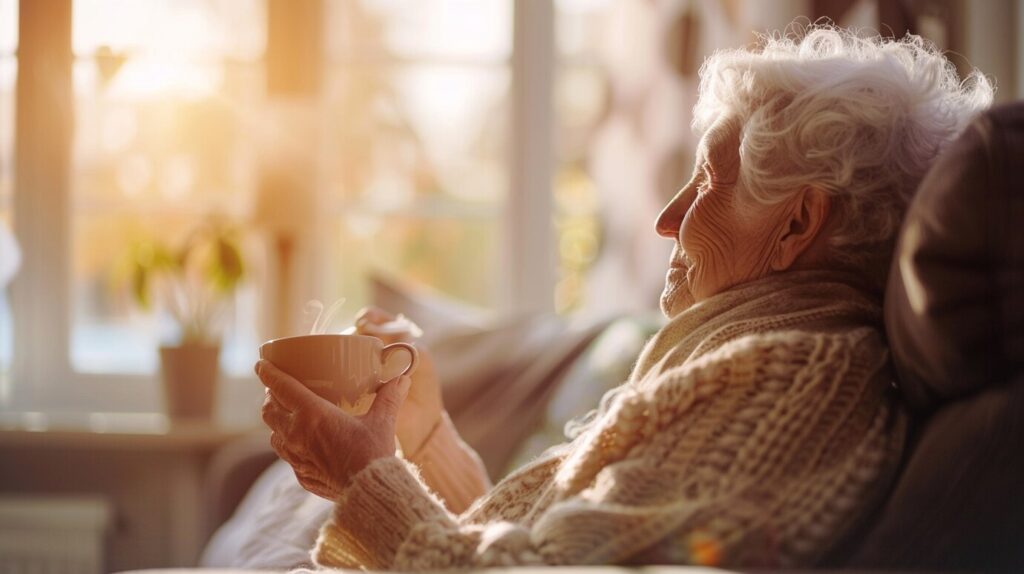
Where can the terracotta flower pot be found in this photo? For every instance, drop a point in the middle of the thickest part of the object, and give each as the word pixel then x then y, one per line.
pixel 190 380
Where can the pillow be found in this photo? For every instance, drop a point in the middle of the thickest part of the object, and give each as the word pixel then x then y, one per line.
pixel 605 365
pixel 957 504
pixel 497 374
pixel 433 312
pixel 955 317
pixel 955 301
pixel 497 381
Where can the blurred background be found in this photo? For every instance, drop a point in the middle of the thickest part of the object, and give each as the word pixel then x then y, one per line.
pixel 504 157
pixel 509 155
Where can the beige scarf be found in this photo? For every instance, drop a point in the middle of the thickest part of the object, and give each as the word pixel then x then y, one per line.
pixel 818 300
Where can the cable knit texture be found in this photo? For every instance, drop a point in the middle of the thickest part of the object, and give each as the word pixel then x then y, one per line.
pixel 757 428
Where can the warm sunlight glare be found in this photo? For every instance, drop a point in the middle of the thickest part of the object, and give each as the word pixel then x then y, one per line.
pixel 164 47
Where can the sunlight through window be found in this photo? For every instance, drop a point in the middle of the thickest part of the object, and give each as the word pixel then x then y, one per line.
pixel 162 95
pixel 417 96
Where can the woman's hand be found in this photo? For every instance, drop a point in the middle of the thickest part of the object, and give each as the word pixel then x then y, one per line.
pixel 421 412
pixel 325 446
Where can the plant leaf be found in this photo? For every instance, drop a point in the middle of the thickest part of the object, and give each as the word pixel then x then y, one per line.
pixel 140 285
pixel 226 268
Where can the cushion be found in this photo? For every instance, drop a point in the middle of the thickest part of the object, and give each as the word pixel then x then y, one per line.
pixel 432 311
pixel 497 382
pixel 498 374
pixel 604 365
pixel 957 505
pixel 954 305
pixel 955 318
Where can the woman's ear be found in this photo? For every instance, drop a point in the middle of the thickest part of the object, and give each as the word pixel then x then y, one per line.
pixel 804 227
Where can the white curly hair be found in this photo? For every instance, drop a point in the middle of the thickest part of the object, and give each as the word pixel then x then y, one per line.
pixel 861 118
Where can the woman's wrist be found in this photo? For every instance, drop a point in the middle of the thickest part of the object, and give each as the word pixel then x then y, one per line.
pixel 439 426
pixel 414 437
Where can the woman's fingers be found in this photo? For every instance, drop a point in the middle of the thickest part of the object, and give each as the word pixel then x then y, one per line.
pixel 292 394
pixel 374 315
pixel 370 318
pixel 289 453
pixel 324 445
pixel 280 446
pixel 305 472
pixel 314 485
pixel 389 399
pixel 275 415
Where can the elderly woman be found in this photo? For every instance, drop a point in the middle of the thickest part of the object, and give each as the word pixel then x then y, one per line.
pixel 760 424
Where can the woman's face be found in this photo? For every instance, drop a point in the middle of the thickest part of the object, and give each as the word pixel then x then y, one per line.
pixel 721 240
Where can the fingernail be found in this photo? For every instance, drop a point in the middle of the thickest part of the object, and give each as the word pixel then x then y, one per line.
pixel 259 367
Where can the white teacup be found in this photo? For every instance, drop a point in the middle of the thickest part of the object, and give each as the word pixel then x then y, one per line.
pixel 344 369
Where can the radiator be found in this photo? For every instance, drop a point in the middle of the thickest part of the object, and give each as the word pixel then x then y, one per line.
pixel 52 535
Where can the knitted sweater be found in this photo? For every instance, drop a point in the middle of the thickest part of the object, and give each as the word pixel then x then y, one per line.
pixel 757 428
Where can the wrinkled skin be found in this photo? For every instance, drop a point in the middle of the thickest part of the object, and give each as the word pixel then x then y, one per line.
pixel 325 446
pixel 722 238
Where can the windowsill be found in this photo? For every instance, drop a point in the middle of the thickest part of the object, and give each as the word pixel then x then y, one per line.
pixel 112 404
pixel 120 431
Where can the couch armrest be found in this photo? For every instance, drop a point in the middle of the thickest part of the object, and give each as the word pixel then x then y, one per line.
pixel 231 472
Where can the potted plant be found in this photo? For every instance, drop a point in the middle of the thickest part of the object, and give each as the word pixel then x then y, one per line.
pixel 195 283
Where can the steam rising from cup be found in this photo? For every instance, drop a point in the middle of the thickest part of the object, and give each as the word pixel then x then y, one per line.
pixel 323 320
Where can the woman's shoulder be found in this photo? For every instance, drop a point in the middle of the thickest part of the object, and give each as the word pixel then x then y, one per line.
pixel 798 345
pixel 782 357
pixel 803 344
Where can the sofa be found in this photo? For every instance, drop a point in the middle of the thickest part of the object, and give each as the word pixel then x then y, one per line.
pixel 954 315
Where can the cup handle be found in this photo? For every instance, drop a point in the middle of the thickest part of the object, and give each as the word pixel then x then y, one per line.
pixel 414 355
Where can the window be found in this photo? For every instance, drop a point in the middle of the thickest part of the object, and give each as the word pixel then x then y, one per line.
pixel 416 98
pixel 580 100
